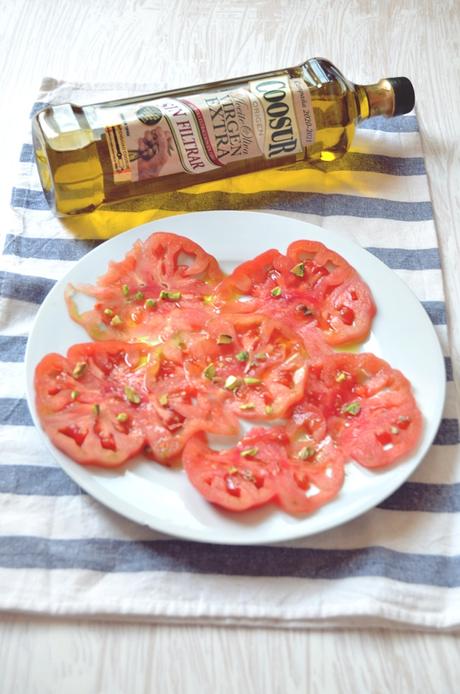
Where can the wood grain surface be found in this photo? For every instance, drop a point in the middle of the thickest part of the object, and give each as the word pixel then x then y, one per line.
pixel 180 42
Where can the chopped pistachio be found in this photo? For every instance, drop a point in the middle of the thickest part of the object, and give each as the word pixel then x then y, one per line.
pixel 394 430
pixel 268 409
pixel 209 372
pixel 80 366
pixel 247 406
pixel 116 320
pixel 276 291
pixel 242 356
pixel 232 383
pixel 139 296
pixel 96 409
pixel 132 396
pixel 232 470
pixel 207 299
pixel 251 381
pixel 163 400
pixel 224 339
pixel 261 356
pixel 74 394
pixel 341 376
pixel 353 408
pixel 170 296
pixel 108 312
pixel 249 452
pixel 125 290
pixel 298 270
pixel 306 452
pixel 150 304
pixel 122 417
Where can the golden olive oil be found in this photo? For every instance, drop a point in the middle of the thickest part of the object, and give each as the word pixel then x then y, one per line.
pixel 159 143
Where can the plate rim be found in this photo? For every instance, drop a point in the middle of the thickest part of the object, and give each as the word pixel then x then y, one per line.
pixel 79 474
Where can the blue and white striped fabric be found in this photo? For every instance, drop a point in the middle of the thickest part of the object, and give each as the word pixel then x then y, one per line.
pixel 61 552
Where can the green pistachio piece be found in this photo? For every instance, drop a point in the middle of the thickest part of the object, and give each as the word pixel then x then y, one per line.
pixel 79 369
pixel 298 270
pixel 232 383
pixel 249 452
pixel 224 339
pixel 251 381
pixel 242 356
pixel 306 452
pixel 131 395
pixel 352 408
pixel 209 372
pixel 170 296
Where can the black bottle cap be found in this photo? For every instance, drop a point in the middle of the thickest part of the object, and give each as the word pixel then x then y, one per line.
pixel 404 95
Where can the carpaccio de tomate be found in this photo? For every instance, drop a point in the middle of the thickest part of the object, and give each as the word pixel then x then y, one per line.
pixel 180 350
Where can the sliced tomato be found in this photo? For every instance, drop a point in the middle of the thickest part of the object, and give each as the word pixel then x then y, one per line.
pixel 160 404
pixel 181 405
pixel 263 468
pixel 314 471
pixel 309 287
pixel 368 406
pixel 239 478
pixel 157 276
pixel 347 312
pixel 83 401
pixel 259 363
pixel 383 436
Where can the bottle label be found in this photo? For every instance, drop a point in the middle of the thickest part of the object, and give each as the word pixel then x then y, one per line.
pixel 272 118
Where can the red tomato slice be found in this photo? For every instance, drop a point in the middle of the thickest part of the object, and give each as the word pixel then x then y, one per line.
pixel 368 406
pixel 315 472
pixel 182 404
pixel 258 363
pixel 347 313
pixel 133 299
pixel 83 404
pixel 264 467
pixel 239 478
pixel 309 287
pixel 106 400
pixel 383 436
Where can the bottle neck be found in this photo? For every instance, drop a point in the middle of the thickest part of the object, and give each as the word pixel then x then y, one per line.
pixel 375 99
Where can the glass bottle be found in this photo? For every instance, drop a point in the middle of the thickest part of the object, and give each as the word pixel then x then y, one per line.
pixel 158 143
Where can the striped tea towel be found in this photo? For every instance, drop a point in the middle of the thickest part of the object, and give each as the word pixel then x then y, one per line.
pixel 62 553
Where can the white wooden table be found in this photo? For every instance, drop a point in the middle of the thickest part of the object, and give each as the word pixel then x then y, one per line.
pixel 190 41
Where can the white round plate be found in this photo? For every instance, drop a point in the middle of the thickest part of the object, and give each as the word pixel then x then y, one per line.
pixel 162 498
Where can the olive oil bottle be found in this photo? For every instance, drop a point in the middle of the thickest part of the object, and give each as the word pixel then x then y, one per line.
pixel 158 143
